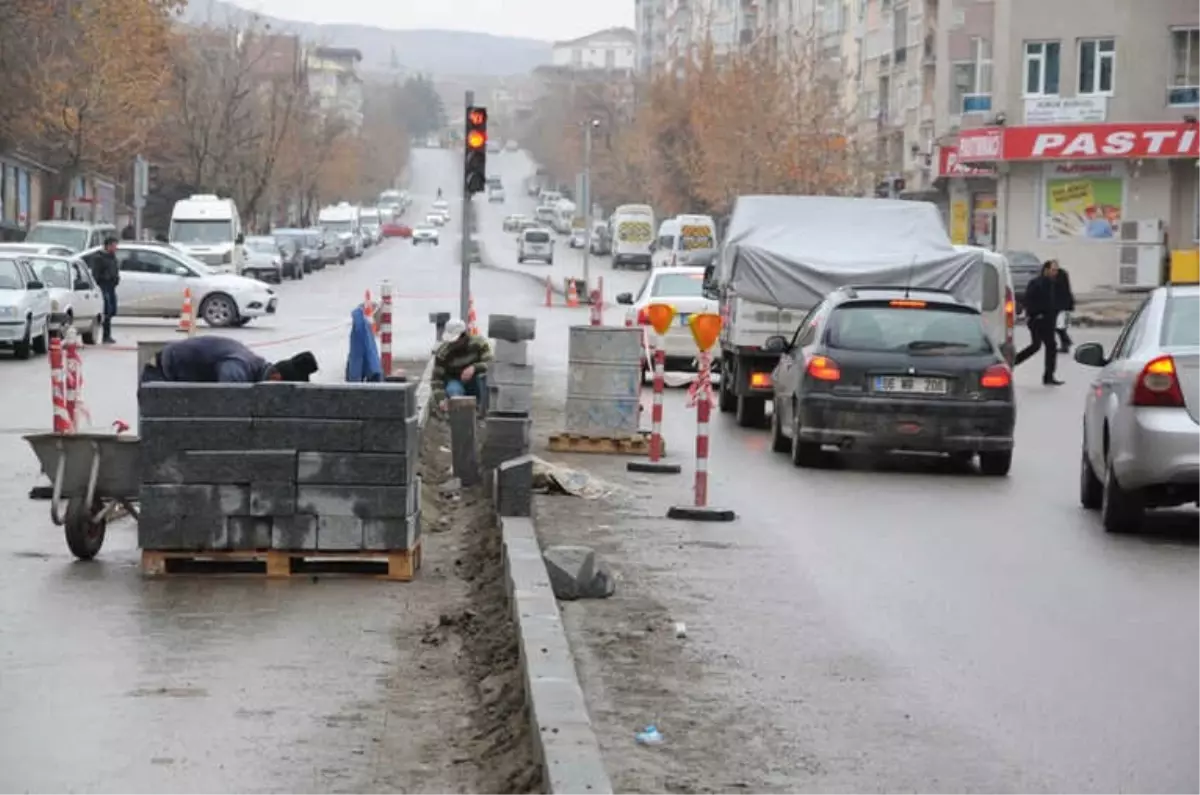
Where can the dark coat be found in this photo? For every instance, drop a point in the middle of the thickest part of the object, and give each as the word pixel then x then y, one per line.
pixel 105 269
pixel 212 360
pixel 1064 299
pixel 1041 300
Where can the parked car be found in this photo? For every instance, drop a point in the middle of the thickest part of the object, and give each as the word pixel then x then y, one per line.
pixel 883 369
pixel 76 235
pixel 578 238
pixel 536 244
pixel 683 288
pixel 264 260
pixel 24 308
pixel 52 249
pixel 291 257
pixel 1141 436
pixel 425 233
pixel 153 279
pixel 309 241
pixel 1023 266
pixel 333 252
pixel 75 300
pixel 512 222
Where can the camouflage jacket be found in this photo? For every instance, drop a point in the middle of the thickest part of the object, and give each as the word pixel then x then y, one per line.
pixel 451 359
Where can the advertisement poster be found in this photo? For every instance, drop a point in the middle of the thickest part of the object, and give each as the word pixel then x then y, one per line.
pixel 959 220
pixel 1082 201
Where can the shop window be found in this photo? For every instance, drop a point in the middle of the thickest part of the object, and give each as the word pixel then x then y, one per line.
pixel 972 86
pixel 1185 67
pixel 1097 65
pixel 1041 68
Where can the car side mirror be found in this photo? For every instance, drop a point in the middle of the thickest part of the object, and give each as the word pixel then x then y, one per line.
pixel 35 285
pixel 182 271
pixel 776 344
pixel 1091 354
pixel 240 239
pixel 709 288
pixel 82 285
pixel 625 299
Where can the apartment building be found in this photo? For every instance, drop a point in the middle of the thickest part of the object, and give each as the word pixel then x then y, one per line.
pixel 1076 117
pixel 334 81
pixel 651 28
pixel 611 50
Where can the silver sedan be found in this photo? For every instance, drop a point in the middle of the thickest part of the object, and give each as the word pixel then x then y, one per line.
pixel 1141 434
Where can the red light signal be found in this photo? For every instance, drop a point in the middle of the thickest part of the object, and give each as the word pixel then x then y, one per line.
pixel 477 117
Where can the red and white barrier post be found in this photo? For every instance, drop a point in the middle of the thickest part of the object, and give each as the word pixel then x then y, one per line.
pixel 58 387
pixel 73 376
pixel 705 328
pixel 385 328
pixel 661 316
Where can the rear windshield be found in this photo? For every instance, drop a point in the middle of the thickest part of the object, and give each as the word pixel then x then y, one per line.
pixel 262 246
pixel 71 237
pixel 1181 326
pixel 537 237
pixel 933 330
pixel 682 285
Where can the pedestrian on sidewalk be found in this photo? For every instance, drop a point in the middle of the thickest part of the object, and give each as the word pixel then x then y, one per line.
pixel 1041 307
pixel 460 365
pixel 107 273
pixel 1065 299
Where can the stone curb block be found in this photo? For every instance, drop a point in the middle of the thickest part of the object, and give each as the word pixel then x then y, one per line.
pixel 564 741
pixel 424 393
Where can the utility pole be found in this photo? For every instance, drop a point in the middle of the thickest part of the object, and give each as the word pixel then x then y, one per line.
pixel 464 290
pixel 141 186
pixel 586 198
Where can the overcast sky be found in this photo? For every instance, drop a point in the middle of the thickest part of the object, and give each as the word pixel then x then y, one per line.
pixel 536 19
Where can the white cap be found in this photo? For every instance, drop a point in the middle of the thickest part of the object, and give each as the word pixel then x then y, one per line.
pixel 454 329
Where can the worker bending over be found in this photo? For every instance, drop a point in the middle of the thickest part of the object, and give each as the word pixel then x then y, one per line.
pixel 209 360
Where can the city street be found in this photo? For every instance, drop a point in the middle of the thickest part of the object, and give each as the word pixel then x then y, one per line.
pixel 118 684
pixel 894 628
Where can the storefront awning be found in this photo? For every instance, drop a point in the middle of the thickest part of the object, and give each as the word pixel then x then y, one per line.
pixel 1109 141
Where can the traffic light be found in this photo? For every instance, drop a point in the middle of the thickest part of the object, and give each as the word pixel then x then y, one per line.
pixel 475 165
pixel 153 180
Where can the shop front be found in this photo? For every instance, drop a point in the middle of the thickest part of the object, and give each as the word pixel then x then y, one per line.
pixel 1068 191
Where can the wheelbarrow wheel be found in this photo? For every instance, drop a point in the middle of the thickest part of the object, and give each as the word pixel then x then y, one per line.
pixel 84 537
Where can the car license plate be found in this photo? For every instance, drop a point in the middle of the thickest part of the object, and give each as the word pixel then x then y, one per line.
pixel 910 385
pixel 683 318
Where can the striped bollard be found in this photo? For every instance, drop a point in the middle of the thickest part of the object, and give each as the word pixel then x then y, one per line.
pixel 660 316
pixel 72 374
pixel 705 328
pixel 385 328
pixel 58 391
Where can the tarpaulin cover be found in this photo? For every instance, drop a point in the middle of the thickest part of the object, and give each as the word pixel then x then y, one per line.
pixel 791 251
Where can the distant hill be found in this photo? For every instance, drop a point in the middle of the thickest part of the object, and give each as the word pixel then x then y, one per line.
pixel 438 52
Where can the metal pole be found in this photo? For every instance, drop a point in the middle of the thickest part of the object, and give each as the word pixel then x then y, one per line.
pixel 464 290
pixel 587 198
pixel 140 189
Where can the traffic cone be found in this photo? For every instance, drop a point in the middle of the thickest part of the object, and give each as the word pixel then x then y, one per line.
pixel 187 321
pixel 472 328
pixel 549 292
pixel 572 294
pixel 369 312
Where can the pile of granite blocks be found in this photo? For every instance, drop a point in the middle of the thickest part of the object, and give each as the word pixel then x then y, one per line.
pixel 508 427
pixel 298 467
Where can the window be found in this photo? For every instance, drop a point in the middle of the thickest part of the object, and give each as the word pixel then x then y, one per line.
pixel 1097 62
pixel 1041 68
pixel 146 262
pixel 1181 326
pixel 610 58
pixel 1185 67
pixel 1126 342
pixel 972 87
pixel 82 274
pixel 936 330
pixel 678 285
pixel 900 32
pixel 666 242
pixel 991 287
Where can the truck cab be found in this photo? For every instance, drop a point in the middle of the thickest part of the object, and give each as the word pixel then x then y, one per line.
pixel 209 228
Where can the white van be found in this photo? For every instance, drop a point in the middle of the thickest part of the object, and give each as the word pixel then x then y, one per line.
pixel 696 243
pixel 999 305
pixel 369 219
pixel 75 235
pixel 633 236
pixel 663 250
pixel 536 243
pixel 209 228
pixel 342 219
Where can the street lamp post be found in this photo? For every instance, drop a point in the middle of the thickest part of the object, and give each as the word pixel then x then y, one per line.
pixel 587 199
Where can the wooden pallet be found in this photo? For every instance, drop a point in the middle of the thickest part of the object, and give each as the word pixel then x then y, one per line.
pixel 398 565
pixel 609 445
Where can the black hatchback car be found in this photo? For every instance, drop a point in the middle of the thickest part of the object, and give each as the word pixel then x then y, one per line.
pixel 884 369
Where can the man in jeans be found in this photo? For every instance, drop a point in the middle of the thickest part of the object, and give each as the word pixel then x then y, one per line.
pixel 107 273
pixel 460 365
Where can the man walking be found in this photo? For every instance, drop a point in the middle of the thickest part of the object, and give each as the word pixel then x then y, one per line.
pixel 1041 306
pixel 107 273
pixel 1065 300
pixel 460 365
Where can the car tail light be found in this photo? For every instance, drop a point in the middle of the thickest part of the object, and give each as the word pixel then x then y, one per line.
pixel 822 368
pixel 1010 313
pixel 760 380
pixel 907 303
pixel 643 318
pixel 1158 385
pixel 998 376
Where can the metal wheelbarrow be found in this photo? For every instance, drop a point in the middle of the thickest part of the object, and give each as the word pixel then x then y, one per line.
pixel 93 474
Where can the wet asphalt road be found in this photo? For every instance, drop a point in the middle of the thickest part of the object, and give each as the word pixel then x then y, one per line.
pixel 943 630
pixel 112 683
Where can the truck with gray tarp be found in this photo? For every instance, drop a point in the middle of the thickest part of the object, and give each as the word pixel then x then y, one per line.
pixel 783 254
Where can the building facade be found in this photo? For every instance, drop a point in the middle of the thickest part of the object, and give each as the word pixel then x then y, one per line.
pixel 333 80
pixel 651 29
pixel 1077 135
pixel 611 50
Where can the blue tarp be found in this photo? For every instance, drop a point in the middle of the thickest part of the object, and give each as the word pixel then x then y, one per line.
pixel 363 362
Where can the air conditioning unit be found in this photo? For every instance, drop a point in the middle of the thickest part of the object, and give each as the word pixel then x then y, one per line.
pixel 1140 266
pixel 1152 232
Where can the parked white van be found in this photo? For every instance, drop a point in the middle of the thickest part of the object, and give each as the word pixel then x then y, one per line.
pixel 75 235
pixel 343 219
pixel 209 228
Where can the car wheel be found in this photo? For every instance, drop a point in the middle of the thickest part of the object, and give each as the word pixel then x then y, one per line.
pixel 751 411
pixel 1121 511
pixel 414 242
pixel 1091 488
pixel 90 336
pixel 804 454
pixel 23 348
pixel 219 311
pixel 779 442
pixel 995 463
pixel 41 343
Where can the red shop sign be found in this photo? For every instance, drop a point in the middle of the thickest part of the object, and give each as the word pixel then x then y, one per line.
pixel 949 165
pixel 1081 142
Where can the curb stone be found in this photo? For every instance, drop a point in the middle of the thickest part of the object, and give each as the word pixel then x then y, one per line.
pixel 424 393
pixel 564 741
